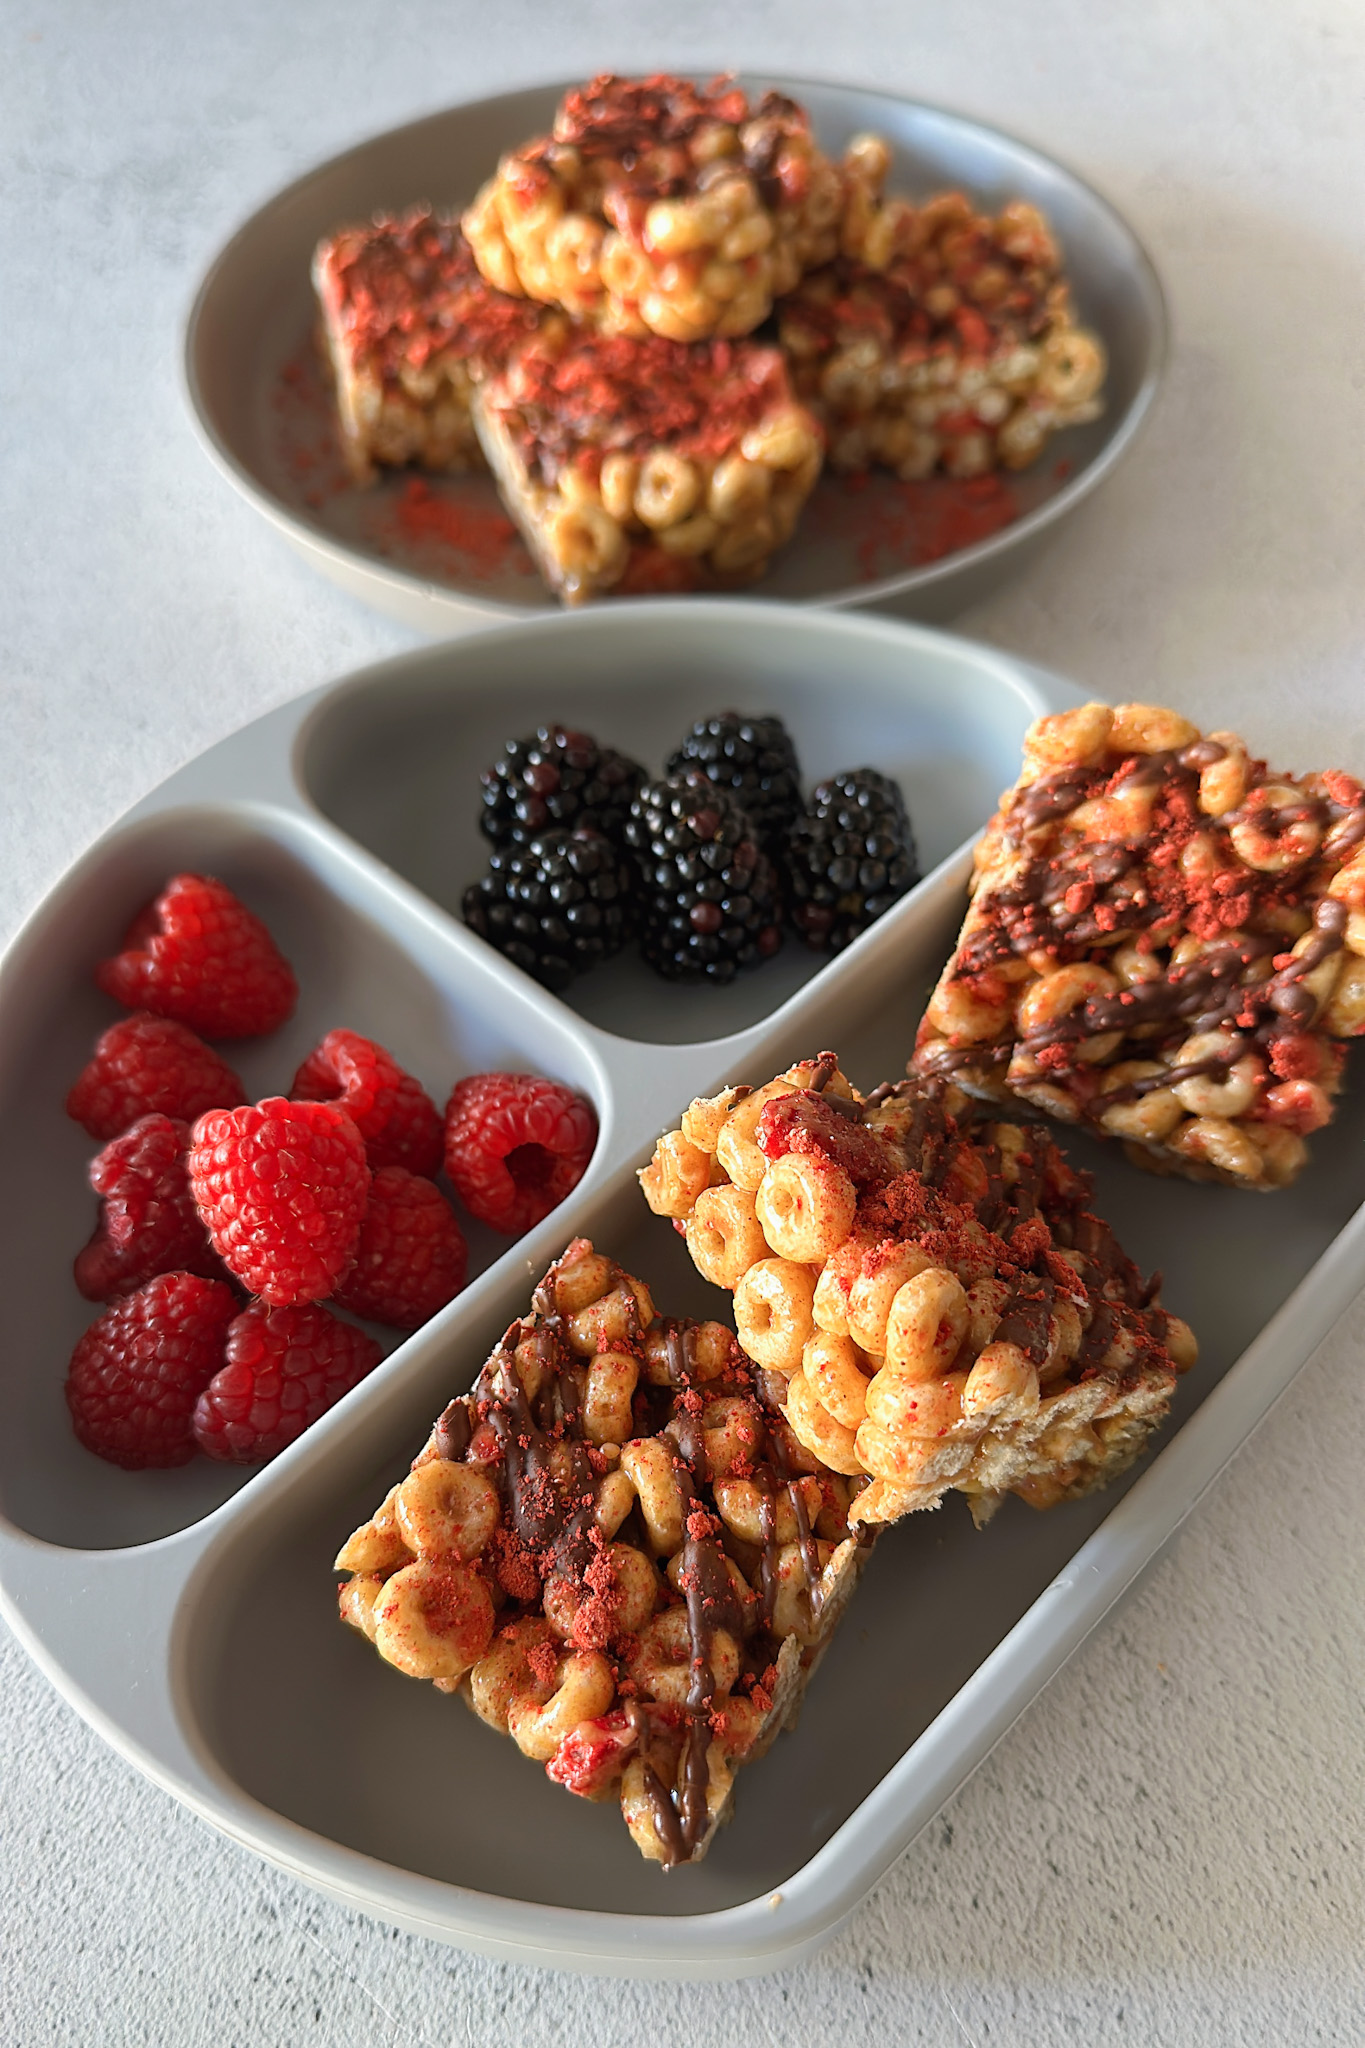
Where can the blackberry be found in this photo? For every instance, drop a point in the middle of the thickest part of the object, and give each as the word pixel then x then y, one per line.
pixel 850 855
pixel 752 758
pixel 708 900
pixel 556 779
pixel 556 906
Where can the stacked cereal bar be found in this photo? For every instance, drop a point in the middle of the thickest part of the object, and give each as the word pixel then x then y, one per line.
pixel 941 338
pixel 659 208
pixel 934 1302
pixel 648 463
pixel 1164 942
pixel 617 1551
pixel 410 328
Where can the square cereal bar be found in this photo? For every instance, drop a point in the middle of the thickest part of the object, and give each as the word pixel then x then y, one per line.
pixel 941 338
pixel 657 207
pixel 1164 942
pixel 409 327
pixel 648 465
pixel 619 1553
pixel 931 1297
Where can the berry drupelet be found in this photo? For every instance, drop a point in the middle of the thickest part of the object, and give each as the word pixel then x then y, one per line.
pixel 708 897
pixel 753 759
pixel 556 779
pixel 556 906
pixel 850 856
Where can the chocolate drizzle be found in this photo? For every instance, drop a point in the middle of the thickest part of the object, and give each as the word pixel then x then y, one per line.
pixel 548 1475
pixel 1075 899
pixel 708 1588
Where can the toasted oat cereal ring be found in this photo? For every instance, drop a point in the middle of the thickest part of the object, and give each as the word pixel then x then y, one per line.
pixel 626 1587
pixel 745 1508
pixel 736 1149
pixel 355 1600
pixel 745 1598
pixel 675 1175
pixel 661 1664
pixel 503 1673
pixel 829 1304
pixel 915 1407
pixel 805 1204
pixel 377 1545
pixel 584 1688
pixel 883 1270
pixel 608 1391
pixel 1001 1386
pixel 581 1280
pixel 649 1466
pixel 725 1236
pixel 445 1507
pixel 433 1619
pixel 794 1614
pixel 838 1373
pixel 639 1809
pixel 773 1312
pixel 613 1321
pixel 927 1322
pixel 832 1441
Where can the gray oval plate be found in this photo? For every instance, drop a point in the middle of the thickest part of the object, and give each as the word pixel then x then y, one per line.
pixel 264 409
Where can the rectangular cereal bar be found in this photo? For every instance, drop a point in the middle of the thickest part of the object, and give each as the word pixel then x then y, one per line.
pixel 932 1298
pixel 619 1553
pixel 658 207
pixel 648 465
pixel 1165 942
pixel 941 338
pixel 410 327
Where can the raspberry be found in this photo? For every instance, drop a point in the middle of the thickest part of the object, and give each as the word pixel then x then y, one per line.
pixel 147 1063
pixel 516 1145
pixel 148 1222
pixel 200 956
pixel 281 1187
pixel 137 1372
pixel 285 1367
pixel 411 1257
pixel 393 1113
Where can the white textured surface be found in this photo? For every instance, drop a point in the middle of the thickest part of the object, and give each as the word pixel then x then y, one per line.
pixel 1167 1848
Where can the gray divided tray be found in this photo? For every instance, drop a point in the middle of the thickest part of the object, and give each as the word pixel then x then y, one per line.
pixel 190 1615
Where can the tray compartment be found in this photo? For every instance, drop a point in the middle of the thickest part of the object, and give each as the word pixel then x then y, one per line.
pixel 395 762
pixel 439 1016
pixel 301 1716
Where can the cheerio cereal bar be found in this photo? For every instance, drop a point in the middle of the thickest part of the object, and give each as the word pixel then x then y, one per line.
pixel 657 207
pixel 648 465
pixel 941 338
pixel 1164 942
pixel 410 327
pixel 619 1553
pixel 934 1300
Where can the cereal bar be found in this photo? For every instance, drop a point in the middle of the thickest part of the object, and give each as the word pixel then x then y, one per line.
pixel 619 1553
pixel 648 465
pixel 657 207
pixel 941 338
pixel 938 1305
pixel 409 327
pixel 1164 942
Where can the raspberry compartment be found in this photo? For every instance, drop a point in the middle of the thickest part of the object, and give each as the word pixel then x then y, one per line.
pixel 188 1614
pixel 399 989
